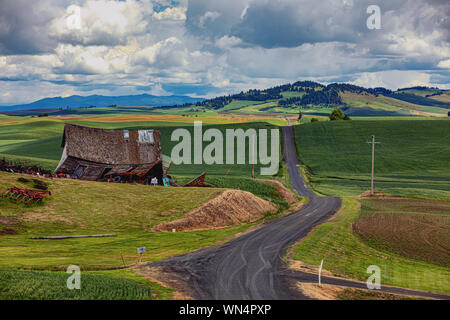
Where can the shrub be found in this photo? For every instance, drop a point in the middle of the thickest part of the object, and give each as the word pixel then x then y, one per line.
pixel 338 114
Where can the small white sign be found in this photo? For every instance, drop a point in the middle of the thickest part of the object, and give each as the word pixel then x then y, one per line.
pixel 320 271
pixel 141 250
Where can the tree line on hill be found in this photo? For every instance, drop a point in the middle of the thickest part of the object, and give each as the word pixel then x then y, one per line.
pixel 316 97
pixel 314 94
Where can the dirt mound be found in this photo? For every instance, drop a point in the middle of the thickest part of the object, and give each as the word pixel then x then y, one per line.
pixel 231 207
pixel 367 195
pixel 285 192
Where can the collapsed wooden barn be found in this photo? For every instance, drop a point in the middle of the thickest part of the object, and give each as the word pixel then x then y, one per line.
pixel 112 155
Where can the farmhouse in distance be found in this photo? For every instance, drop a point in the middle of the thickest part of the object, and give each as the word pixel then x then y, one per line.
pixel 112 155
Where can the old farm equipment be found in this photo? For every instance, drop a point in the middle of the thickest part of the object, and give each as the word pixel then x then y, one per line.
pixel 21 168
pixel 26 196
pixel 198 182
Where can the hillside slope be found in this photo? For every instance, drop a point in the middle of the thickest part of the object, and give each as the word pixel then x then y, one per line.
pixel 317 99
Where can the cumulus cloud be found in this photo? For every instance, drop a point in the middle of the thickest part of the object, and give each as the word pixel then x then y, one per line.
pixel 104 22
pixel 445 64
pixel 227 42
pixel 206 48
pixel 175 13
pixel 393 79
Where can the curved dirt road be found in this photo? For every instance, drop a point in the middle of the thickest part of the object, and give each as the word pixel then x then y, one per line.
pixel 249 267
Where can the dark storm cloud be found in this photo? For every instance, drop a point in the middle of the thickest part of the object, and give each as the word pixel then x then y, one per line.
pixel 24 27
pixel 213 19
pixel 290 23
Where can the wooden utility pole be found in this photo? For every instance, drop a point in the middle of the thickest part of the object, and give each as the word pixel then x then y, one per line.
pixel 373 163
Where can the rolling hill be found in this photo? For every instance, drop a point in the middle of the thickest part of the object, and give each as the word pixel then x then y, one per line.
pixel 101 101
pixel 317 99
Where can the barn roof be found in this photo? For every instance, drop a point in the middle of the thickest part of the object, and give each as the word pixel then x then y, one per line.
pixel 110 146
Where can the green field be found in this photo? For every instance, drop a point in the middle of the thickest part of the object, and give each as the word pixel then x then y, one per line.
pixel 39 142
pixel 33 285
pixel 345 254
pixel 411 160
pixel 405 238
pixel 238 104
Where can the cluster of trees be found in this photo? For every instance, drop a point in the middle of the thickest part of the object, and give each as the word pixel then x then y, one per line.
pixel 338 114
pixel 358 89
pixel 290 101
pixel 176 106
pixel 325 96
pixel 258 95
pixel 215 103
pixel 316 97
pixel 419 88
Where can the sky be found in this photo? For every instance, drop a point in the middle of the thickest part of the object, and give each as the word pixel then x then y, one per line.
pixel 206 48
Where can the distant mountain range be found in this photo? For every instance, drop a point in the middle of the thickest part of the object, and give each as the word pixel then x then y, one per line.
pixel 102 101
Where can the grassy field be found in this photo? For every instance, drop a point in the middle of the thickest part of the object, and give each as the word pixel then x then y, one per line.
pixel 127 210
pixel 380 102
pixel 412 159
pixel 345 254
pixel 34 285
pixel 105 208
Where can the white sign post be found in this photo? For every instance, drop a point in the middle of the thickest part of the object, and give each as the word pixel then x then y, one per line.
pixel 141 251
pixel 320 271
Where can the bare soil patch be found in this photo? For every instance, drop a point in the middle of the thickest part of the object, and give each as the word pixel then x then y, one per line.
pixel 330 292
pixel 167 279
pixel 231 207
pixel 7 225
pixel 403 227
pixel 422 113
pixel 308 268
